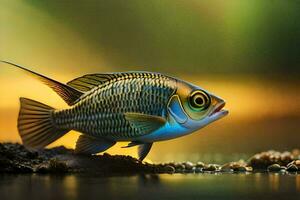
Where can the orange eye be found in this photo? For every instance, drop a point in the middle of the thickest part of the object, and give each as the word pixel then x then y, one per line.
pixel 199 100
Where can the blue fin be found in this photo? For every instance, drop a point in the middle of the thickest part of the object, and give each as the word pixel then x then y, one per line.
pixel 143 150
pixel 90 145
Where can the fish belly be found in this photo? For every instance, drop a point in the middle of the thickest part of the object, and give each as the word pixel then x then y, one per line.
pixel 167 132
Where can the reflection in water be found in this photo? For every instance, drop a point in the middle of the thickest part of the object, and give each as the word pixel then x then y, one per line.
pixel 145 179
pixel 274 181
pixel 245 186
pixel 70 186
pixel 298 183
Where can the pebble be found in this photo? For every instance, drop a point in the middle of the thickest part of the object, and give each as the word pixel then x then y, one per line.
pixel 179 168
pixel 188 165
pixel 274 168
pixel 171 164
pixel 211 167
pixel 240 169
pixel 226 169
pixel 296 153
pixel 240 166
pixel 292 168
pixel 198 169
pixel 58 166
pixel 169 169
pixel 283 168
pixel 249 169
pixel 15 158
pixel 297 163
pixel 262 160
pixel 192 170
pixel 200 164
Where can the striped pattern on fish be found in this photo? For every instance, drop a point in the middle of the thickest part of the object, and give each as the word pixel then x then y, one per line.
pixel 100 112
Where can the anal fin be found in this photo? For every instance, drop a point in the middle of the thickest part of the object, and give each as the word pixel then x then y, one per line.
pixel 90 145
pixel 143 150
pixel 132 144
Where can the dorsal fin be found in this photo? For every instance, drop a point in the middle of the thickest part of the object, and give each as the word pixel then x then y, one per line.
pixel 89 81
pixel 69 94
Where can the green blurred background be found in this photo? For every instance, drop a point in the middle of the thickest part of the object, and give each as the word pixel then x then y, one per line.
pixel 246 51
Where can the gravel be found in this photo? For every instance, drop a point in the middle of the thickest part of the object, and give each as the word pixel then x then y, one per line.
pixel 15 158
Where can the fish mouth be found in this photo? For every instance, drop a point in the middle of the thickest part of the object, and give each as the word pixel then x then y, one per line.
pixel 218 112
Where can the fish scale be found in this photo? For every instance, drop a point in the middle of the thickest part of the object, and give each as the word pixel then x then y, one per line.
pixel 100 112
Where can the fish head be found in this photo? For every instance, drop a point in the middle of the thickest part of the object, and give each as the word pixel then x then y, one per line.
pixel 193 107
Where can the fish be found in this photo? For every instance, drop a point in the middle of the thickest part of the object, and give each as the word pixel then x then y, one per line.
pixel 136 107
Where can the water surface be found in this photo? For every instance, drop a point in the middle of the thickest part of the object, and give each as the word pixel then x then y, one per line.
pixel 194 186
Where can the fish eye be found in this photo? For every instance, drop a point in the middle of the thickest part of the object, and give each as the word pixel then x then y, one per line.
pixel 199 100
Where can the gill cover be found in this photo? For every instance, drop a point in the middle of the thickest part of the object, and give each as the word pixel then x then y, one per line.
pixel 176 110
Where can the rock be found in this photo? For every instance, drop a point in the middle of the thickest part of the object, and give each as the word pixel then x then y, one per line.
pixel 283 168
pixel 297 163
pixel 173 164
pixel 169 169
pixel 240 169
pixel 4 163
pixel 23 168
pixel 286 157
pixel 191 170
pixel 199 165
pixel 52 166
pixel 188 165
pixel 198 170
pixel 42 168
pixel 57 166
pixel 296 153
pixel 249 169
pixel 179 168
pixel 14 158
pixel 274 168
pixel 226 169
pixel 292 168
pixel 264 159
pixel 239 166
pixel 211 167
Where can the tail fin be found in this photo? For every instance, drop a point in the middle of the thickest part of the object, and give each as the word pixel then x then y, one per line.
pixel 35 124
pixel 69 94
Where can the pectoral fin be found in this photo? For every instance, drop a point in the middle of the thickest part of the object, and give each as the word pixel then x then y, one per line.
pixel 143 150
pixel 90 145
pixel 144 123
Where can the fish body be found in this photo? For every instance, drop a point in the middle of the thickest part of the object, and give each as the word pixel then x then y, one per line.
pixel 101 111
pixel 138 107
